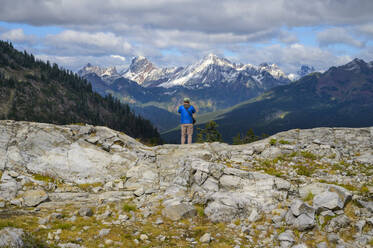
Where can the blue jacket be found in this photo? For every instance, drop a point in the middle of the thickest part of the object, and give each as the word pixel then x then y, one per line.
pixel 186 118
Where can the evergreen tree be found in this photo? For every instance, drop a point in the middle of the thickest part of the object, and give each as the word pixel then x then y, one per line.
pixel 237 140
pixel 209 134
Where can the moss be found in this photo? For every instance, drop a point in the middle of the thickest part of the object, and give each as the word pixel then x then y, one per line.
pixel 308 155
pixel 305 170
pixel 1 174
pixel 88 186
pixel 284 142
pixel 364 190
pixel 273 142
pixel 44 178
pixel 129 207
pixel 237 222
pixel 309 198
pixel 200 210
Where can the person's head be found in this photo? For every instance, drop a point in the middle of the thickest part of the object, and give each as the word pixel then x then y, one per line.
pixel 187 100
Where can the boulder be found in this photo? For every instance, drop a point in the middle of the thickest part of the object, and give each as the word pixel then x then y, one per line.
pixel 33 198
pixel 179 211
pixel 206 238
pixel 85 211
pixel 11 237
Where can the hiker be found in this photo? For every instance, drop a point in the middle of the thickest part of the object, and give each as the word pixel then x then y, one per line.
pixel 186 110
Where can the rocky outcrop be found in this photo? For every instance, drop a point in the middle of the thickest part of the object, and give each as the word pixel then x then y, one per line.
pixel 294 178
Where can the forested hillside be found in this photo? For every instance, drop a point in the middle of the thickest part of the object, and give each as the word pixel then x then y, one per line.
pixel 33 90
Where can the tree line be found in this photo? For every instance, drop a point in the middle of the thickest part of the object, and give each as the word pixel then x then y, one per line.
pixel 211 134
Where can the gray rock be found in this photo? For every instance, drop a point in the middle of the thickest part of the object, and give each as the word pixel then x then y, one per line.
pixel 103 232
pixel 144 237
pixel 85 211
pixel 288 235
pixel 200 177
pixel 333 238
pixel 33 198
pixel 304 222
pixel 230 182
pixel 139 192
pixel 179 211
pixel 70 245
pixel 254 216
pixel 367 205
pixel 322 245
pixel 8 190
pixel 338 222
pixel 299 207
pixel 271 153
pixel 300 246
pixel 211 185
pixel 11 237
pixel 206 238
pixel 327 200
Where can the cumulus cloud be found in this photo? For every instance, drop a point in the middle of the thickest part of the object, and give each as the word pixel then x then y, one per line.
pixel 366 29
pixel 71 42
pixel 207 16
pixel 116 30
pixel 334 36
pixel 290 58
pixel 17 35
pixel 75 63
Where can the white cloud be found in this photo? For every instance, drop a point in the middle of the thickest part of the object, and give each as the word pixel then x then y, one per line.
pixel 208 16
pixel 118 57
pixel 71 42
pixel 75 63
pixel 17 35
pixel 290 58
pixel 334 36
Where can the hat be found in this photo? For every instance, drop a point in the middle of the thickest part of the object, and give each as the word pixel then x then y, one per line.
pixel 186 99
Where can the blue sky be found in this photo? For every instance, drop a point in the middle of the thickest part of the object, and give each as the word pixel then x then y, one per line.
pixel 320 33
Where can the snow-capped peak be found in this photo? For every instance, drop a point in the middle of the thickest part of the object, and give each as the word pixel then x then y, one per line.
pixel 214 59
pixel 272 69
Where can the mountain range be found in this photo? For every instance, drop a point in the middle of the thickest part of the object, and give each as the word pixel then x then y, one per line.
pixel 213 83
pixel 340 97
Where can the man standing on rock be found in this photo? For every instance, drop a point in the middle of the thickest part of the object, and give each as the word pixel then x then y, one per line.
pixel 186 111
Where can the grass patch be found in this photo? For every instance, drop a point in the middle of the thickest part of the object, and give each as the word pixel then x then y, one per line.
pixel 309 198
pixel 308 155
pixel 63 226
pixel 284 142
pixel 364 190
pixel 273 142
pixel 88 186
pixel 305 170
pixel 129 207
pixel 200 210
pixel 44 178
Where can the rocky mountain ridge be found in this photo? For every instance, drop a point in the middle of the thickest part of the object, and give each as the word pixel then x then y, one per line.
pixel 205 73
pixel 300 188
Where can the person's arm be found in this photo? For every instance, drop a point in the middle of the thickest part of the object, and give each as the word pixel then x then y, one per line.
pixel 179 110
pixel 193 110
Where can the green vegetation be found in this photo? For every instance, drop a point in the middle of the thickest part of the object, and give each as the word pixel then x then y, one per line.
pixel 209 134
pixel 308 155
pixel 129 207
pixel 309 198
pixel 32 90
pixel 284 142
pixel 44 178
pixel 88 186
pixel 247 138
pixel 273 142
